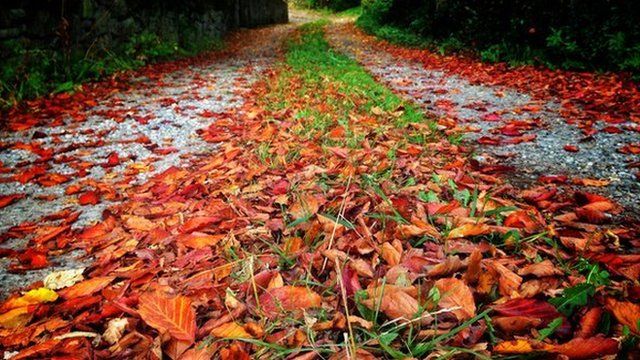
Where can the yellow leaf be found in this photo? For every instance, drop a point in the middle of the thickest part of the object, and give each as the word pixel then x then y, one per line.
pixel 230 330
pixel 514 347
pixel 35 296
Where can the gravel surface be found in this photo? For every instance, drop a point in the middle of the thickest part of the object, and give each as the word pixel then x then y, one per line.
pixel 484 110
pixel 166 112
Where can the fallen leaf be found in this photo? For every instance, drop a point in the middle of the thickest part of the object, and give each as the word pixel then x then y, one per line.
pixel 63 278
pixel 627 313
pixel 230 330
pixel 467 230
pixel 35 296
pixel 174 315
pixel 288 298
pixel 115 330
pixel 456 295
pixel 86 287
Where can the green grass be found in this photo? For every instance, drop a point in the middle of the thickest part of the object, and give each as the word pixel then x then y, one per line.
pixel 326 89
pixel 314 60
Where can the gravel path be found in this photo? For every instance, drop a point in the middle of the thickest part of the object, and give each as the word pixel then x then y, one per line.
pixel 125 139
pixel 509 126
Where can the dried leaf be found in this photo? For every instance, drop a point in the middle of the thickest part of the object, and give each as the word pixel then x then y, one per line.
pixel 86 287
pixel 32 297
pixel 468 230
pixel 115 329
pixel 627 313
pixel 393 301
pixel 173 315
pixel 288 298
pixel 64 278
pixel 231 330
pixel 455 294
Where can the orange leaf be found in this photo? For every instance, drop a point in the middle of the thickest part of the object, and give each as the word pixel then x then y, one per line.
pixel 234 352
pixel 589 322
pixel 306 205
pixel 590 348
pixel 520 346
pixel 456 294
pixel 6 200
pixel 99 229
pixel 231 330
pixel 173 315
pixel 197 240
pixel 626 312
pixel 288 298
pixel 578 348
pixel 198 352
pixel 87 287
pixel 469 230
pixel 134 222
pixel 89 198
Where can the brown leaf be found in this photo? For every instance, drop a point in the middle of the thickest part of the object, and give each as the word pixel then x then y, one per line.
pixel 306 205
pixel 393 301
pixel 541 269
pixel 577 348
pixel 173 315
pixel 589 348
pixel 510 324
pixel 390 254
pixel 473 267
pixel 467 230
pixel 449 266
pixel 589 323
pixel 454 293
pixel 508 281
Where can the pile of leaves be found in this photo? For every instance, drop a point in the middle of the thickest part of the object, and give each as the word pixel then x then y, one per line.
pixel 336 221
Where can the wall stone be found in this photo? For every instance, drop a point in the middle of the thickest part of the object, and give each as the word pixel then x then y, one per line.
pixel 108 21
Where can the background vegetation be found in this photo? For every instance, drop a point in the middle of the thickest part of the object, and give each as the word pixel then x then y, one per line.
pixel 52 46
pixel 583 35
pixel 568 34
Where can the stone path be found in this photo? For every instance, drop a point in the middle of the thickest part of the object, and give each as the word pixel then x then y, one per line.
pixel 508 127
pixel 126 138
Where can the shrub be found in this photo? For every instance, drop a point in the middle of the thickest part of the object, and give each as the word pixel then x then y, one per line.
pixel 598 34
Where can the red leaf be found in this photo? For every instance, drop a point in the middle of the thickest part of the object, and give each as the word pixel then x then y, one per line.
pixel 6 200
pixel 89 198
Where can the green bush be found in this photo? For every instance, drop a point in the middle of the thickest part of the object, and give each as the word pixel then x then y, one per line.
pixel 597 34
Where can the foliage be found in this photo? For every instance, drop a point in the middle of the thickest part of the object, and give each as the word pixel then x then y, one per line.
pixel 570 35
pixel 30 70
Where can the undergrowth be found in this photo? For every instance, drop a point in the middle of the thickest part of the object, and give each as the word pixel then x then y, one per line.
pixel 29 70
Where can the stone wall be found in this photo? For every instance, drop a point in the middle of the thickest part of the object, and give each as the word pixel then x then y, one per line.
pixel 87 21
pixel 251 13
